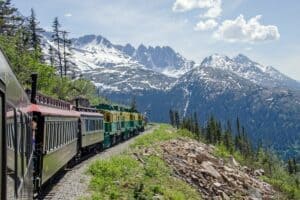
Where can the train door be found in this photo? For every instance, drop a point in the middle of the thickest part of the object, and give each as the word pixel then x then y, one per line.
pixel 2 142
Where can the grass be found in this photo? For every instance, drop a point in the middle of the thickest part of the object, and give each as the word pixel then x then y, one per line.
pixel 124 177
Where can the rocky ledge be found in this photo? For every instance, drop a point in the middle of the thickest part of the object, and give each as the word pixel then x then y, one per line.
pixel 214 178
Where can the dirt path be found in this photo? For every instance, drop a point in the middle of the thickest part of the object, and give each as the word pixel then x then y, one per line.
pixel 74 183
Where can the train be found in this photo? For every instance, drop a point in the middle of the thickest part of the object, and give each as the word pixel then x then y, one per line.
pixel 40 135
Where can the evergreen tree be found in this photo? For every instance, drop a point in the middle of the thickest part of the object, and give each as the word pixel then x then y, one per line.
pixel 51 56
pixel 57 40
pixel 35 37
pixel 218 132
pixel 228 141
pixel 238 126
pixel 208 134
pixel 10 20
pixel 295 165
pixel 133 105
pixel 196 125
pixel 172 117
pixel 66 50
pixel 177 119
pixel 290 167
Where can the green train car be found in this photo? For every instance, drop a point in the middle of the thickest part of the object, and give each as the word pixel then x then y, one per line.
pixel 120 123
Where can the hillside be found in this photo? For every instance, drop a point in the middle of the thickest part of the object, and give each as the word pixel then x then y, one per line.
pixel 168 164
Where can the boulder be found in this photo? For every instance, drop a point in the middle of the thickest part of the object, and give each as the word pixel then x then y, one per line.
pixel 233 162
pixel 259 172
pixel 208 168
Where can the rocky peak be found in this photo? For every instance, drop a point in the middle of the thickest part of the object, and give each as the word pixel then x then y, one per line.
pixel 87 40
pixel 240 58
pixel 219 61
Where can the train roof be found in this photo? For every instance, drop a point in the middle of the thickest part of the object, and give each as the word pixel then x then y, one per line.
pixel 90 114
pixel 15 94
pixel 114 107
pixel 87 111
pixel 45 110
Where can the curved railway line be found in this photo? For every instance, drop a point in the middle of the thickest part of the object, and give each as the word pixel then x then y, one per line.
pixel 73 183
pixel 41 138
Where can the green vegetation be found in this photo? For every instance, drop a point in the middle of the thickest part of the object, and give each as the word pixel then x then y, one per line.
pixel 128 177
pixel 284 177
pixel 20 40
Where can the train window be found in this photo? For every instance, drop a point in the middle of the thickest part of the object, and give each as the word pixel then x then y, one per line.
pixel 46 136
pixel 66 133
pixel 49 136
pixel 63 134
pixel 58 126
pixel 69 134
pixel 69 129
pixel 86 125
pixel 62 128
pixel 75 130
pixel 72 127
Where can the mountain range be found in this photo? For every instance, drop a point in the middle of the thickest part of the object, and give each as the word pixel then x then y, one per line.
pixel 266 101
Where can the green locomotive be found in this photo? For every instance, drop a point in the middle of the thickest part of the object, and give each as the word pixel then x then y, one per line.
pixel 120 123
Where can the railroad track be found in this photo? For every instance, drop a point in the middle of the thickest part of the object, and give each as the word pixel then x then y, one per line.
pixel 72 183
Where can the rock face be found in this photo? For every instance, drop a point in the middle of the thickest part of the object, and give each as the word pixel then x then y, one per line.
pixel 194 162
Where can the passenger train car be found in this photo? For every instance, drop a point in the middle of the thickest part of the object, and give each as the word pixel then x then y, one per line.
pixel 40 135
pixel 15 137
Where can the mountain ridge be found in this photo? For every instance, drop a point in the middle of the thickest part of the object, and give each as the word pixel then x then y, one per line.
pixel 266 100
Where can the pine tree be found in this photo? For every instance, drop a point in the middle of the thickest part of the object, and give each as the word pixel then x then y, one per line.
pixel 172 117
pixel 290 167
pixel 66 50
pixel 238 126
pixel 228 141
pixel 57 39
pixel 177 120
pixel 10 20
pixel 51 56
pixel 295 165
pixel 218 132
pixel 196 125
pixel 35 37
pixel 133 105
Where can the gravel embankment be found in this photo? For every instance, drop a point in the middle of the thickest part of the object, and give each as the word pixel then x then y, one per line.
pixel 74 184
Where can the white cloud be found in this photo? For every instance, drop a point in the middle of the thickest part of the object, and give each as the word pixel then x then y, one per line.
pixel 68 15
pixel 213 6
pixel 205 25
pixel 240 30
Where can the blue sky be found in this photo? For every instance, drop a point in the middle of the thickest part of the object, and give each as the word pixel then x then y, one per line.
pixel 267 31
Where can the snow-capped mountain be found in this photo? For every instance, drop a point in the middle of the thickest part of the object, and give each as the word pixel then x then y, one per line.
pixel 266 100
pixel 242 66
pixel 161 59
pixel 112 70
